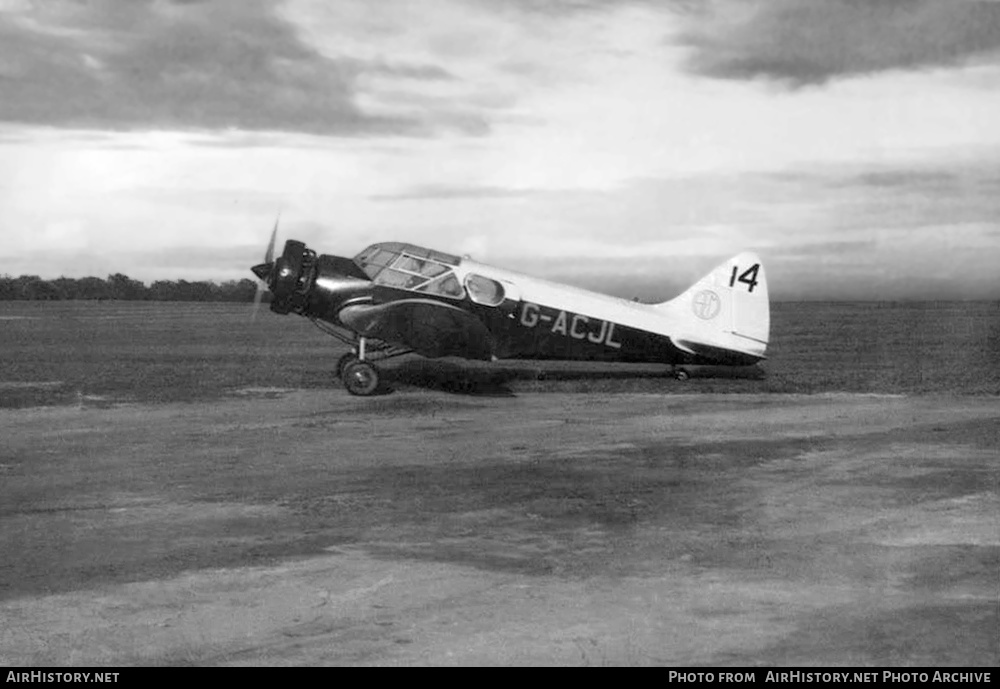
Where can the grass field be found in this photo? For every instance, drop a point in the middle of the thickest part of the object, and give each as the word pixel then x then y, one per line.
pixel 64 352
pixel 245 510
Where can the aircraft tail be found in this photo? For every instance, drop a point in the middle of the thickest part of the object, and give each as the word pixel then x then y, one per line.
pixel 726 314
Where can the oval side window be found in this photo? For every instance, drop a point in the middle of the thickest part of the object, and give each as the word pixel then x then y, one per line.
pixel 483 290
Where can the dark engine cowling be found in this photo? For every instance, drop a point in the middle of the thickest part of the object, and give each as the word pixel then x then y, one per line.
pixel 292 278
pixel 337 281
pixel 302 282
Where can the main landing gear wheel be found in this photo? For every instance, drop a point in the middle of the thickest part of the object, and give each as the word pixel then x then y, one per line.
pixel 681 374
pixel 345 361
pixel 361 378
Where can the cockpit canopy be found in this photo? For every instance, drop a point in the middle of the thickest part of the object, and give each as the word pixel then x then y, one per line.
pixel 409 267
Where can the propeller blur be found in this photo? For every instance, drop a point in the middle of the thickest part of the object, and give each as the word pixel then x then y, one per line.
pixel 263 271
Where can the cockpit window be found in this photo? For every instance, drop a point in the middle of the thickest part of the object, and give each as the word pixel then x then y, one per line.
pixel 395 278
pixel 373 259
pixel 421 266
pixel 404 266
pixel 446 285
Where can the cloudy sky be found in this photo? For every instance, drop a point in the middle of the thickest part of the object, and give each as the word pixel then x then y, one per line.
pixel 622 145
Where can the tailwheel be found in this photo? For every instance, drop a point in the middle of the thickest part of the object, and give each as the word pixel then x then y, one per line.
pixel 361 378
pixel 681 374
pixel 343 362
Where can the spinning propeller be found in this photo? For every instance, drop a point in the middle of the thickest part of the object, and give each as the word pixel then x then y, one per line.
pixel 265 270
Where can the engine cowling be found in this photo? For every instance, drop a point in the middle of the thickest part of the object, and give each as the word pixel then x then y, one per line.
pixel 292 278
pixel 316 286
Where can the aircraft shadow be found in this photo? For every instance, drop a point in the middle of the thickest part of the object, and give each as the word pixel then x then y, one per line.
pixel 450 377
pixel 494 380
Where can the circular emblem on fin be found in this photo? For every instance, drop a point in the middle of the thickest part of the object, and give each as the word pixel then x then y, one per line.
pixel 706 304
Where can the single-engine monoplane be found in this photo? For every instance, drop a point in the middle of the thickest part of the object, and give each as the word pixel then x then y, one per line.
pixel 395 298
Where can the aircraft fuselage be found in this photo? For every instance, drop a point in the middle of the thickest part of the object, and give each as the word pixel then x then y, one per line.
pixel 438 305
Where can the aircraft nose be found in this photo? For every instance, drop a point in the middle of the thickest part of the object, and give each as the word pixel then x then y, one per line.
pixel 263 270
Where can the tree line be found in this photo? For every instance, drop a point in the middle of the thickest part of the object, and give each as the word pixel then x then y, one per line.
pixel 119 286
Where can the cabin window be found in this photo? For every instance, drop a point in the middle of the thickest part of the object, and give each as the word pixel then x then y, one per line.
pixel 446 285
pixel 373 260
pixel 483 290
pixel 382 258
pixel 404 266
pixel 395 278
pixel 420 266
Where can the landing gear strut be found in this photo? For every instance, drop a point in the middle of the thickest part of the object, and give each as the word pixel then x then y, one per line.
pixel 359 375
pixel 365 380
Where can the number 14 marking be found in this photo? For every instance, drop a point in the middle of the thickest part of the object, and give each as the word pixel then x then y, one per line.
pixel 747 277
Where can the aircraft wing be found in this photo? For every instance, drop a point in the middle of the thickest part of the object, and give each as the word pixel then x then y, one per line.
pixel 430 328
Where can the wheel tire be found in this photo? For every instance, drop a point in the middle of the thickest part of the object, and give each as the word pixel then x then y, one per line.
pixel 345 361
pixel 681 374
pixel 361 379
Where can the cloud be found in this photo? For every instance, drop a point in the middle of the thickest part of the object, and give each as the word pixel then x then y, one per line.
pixel 804 42
pixel 927 180
pixel 246 200
pixel 215 65
pixel 835 249
pixel 930 194
pixel 440 191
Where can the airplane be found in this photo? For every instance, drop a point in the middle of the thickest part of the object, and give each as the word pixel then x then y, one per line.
pixel 395 298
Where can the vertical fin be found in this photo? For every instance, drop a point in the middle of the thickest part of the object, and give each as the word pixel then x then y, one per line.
pixel 727 308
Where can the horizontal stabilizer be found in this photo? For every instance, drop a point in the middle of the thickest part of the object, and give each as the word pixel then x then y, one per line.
pixel 718 355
